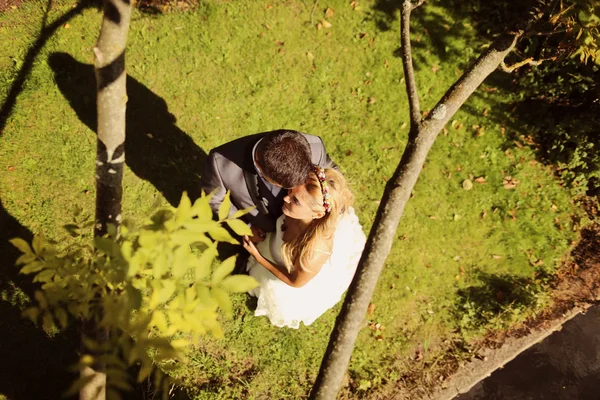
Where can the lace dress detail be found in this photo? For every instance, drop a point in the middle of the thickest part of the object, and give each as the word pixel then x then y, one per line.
pixel 288 306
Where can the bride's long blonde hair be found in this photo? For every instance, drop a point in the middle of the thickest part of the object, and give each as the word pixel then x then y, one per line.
pixel 321 229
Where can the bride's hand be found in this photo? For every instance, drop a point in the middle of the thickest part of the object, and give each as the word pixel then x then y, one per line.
pixel 250 247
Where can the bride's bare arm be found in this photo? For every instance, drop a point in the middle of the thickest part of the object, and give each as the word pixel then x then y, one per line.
pixel 299 276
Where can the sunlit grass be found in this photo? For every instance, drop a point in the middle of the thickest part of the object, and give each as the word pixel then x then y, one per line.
pixel 228 69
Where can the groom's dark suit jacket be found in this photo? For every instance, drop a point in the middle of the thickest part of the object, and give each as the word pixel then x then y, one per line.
pixel 231 167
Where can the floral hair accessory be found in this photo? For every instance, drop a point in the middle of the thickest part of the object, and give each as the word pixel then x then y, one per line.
pixel 320 172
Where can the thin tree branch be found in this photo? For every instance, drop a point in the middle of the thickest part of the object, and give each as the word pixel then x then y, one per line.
pixel 409 74
pixel 396 195
pixel 527 61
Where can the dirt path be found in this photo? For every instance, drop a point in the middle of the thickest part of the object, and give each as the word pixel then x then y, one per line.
pixel 7 4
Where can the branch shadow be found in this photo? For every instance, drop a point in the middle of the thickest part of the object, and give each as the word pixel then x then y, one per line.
pixel 46 31
pixel 156 150
pixel 553 108
pixel 33 364
pixel 438 28
pixel 495 300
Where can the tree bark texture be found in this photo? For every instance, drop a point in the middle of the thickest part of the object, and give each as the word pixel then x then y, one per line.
pixel 396 194
pixel 109 66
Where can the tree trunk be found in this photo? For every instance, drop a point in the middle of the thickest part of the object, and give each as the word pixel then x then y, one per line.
pixel 111 99
pixel 110 154
pixel 397 192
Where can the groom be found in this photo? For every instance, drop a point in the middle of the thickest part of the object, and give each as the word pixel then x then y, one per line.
pixel 258 170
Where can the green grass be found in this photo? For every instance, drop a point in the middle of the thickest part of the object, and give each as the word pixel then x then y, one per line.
pixel 229 69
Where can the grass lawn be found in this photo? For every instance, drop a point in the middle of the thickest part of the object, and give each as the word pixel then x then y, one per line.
pixel 466 260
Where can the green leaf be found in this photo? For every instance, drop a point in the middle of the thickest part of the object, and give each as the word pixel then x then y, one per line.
pixel 200 226
pixel 239 283
pixel 225 207
pixel 39 243
pixel 78 385
pixel 223 299
pixel 32 267
pixel 160 266
pixel 240 213
pixel 32 313
pixel 48 322
pixel 181 260
pixel 105 245
pixel 160 321
pixel 148 239
pixel 205 262
pixel 90 344
pixel 44 276
pixel 201 209
pixel 187 238
pixel 223 270
pixel 21 245
pixel 184 210
pixel 145 371
pixel 239 227
pixel 112 394
pixel 220 234
pixel 25 258
pixel 167 291
pixel 62 317
pixel 205 298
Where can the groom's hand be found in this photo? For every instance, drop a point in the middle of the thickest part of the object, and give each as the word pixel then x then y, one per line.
pixel 258 235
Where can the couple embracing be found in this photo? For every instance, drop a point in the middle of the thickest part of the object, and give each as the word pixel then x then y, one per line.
pixel 306 239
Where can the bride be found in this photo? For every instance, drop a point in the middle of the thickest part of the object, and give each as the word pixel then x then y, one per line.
pixel 305 266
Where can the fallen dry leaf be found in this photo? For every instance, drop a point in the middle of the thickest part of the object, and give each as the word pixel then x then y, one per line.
pixel 496 256
pixel 509 183
pixel 11 168
pixel 267 26
pixel 372 100
pixel 319 26
pixel 279 43
pixel 310 55
pixel 354 4
pixel 481 180
pixel 371 309
pixel 467 184
pixel 485 112
pixel 363 34
pixel 432 217
pixel 329 13
pixel 326 24
pixel 435 68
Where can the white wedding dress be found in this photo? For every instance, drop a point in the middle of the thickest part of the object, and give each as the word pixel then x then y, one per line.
pixel 288 306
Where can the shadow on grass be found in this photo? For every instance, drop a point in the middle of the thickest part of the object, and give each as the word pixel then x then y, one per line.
pixel 46 32
pixel 441 32
pixel 33 365
pixel 156 150
pixel 554 106
pixel 496 300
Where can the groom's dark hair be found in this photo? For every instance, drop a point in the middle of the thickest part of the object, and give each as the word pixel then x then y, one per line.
pixel 284 157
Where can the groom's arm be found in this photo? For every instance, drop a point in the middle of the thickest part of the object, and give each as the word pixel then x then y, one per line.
pixel 211 182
